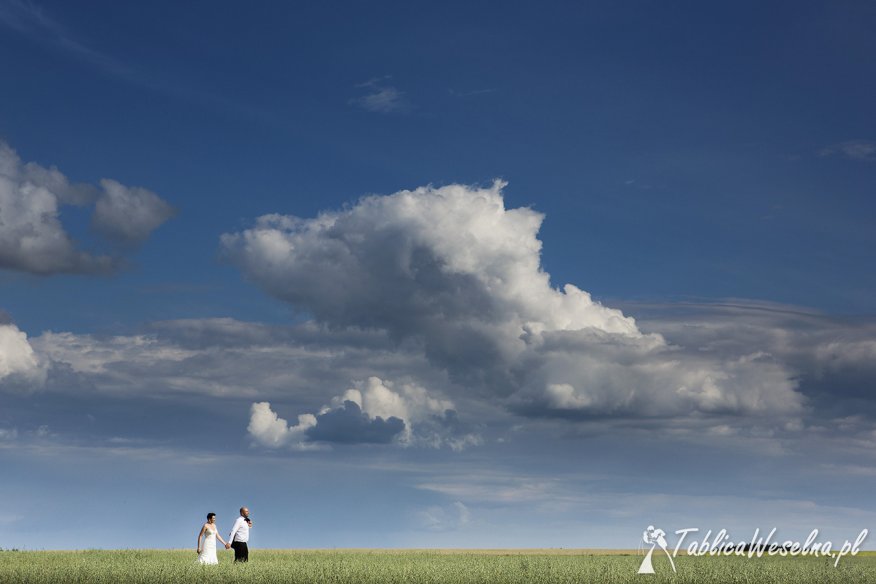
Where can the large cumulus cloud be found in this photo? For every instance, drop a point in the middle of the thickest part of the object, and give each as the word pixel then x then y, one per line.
pixel 453 271
pixel 32 237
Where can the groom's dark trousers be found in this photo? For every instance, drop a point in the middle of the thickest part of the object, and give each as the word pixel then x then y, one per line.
pixel 241 551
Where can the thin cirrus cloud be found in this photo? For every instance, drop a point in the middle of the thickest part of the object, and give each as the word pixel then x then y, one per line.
pixel 452 271
pixel 32 237
pixel 32 20
pixel 42 27
pixel 864 150
pixel 381 97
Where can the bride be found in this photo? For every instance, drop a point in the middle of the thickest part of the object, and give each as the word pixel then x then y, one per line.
pixel 207 553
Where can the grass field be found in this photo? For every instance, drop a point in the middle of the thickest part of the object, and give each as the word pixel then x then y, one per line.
pixel 417 566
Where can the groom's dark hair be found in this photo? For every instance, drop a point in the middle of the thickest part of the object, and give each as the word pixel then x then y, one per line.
pixel 210 516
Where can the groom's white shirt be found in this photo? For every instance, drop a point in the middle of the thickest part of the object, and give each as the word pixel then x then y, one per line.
pixel 240 531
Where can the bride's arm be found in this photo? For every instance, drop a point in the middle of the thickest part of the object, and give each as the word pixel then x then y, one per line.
pixel 200 533
pixel 219 537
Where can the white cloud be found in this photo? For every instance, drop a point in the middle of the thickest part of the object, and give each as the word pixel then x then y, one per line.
pixel 233 359
pixel 464 441
pixel 129 214
pixel 374 411
pixel 832 359
pixel 102 355
pixel 272 431
pixel 407 401
pixel 734 379
pixel 345 423
pixel 20 366
pixel 573 373
pixel 451 270
pixel 32 237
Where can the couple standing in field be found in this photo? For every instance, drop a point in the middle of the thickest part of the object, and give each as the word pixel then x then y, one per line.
pixel 237 539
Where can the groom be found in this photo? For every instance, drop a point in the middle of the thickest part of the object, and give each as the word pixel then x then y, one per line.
pixel 240 535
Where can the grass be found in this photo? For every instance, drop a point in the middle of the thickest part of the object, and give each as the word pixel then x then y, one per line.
pixel 416 567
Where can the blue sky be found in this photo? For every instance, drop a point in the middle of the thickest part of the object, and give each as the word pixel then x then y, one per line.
pixel 707 171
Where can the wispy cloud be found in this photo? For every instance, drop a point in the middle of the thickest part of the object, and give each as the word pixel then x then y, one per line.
pixel 381 97
pixel 32 21
pixel 445 517
pixel 36 24
pixel 470 92
pixel 853 149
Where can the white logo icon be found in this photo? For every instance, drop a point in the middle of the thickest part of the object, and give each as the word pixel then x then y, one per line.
pixel 655 538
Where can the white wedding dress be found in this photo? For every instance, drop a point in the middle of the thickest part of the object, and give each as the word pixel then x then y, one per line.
pixel 208 550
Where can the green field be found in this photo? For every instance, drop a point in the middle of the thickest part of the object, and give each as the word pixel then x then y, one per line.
pixel 417 566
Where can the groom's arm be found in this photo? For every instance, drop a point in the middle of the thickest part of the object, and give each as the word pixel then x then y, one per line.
pixel 234 528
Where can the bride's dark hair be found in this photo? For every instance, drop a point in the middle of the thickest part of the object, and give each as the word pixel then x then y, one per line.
pixel 210 516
